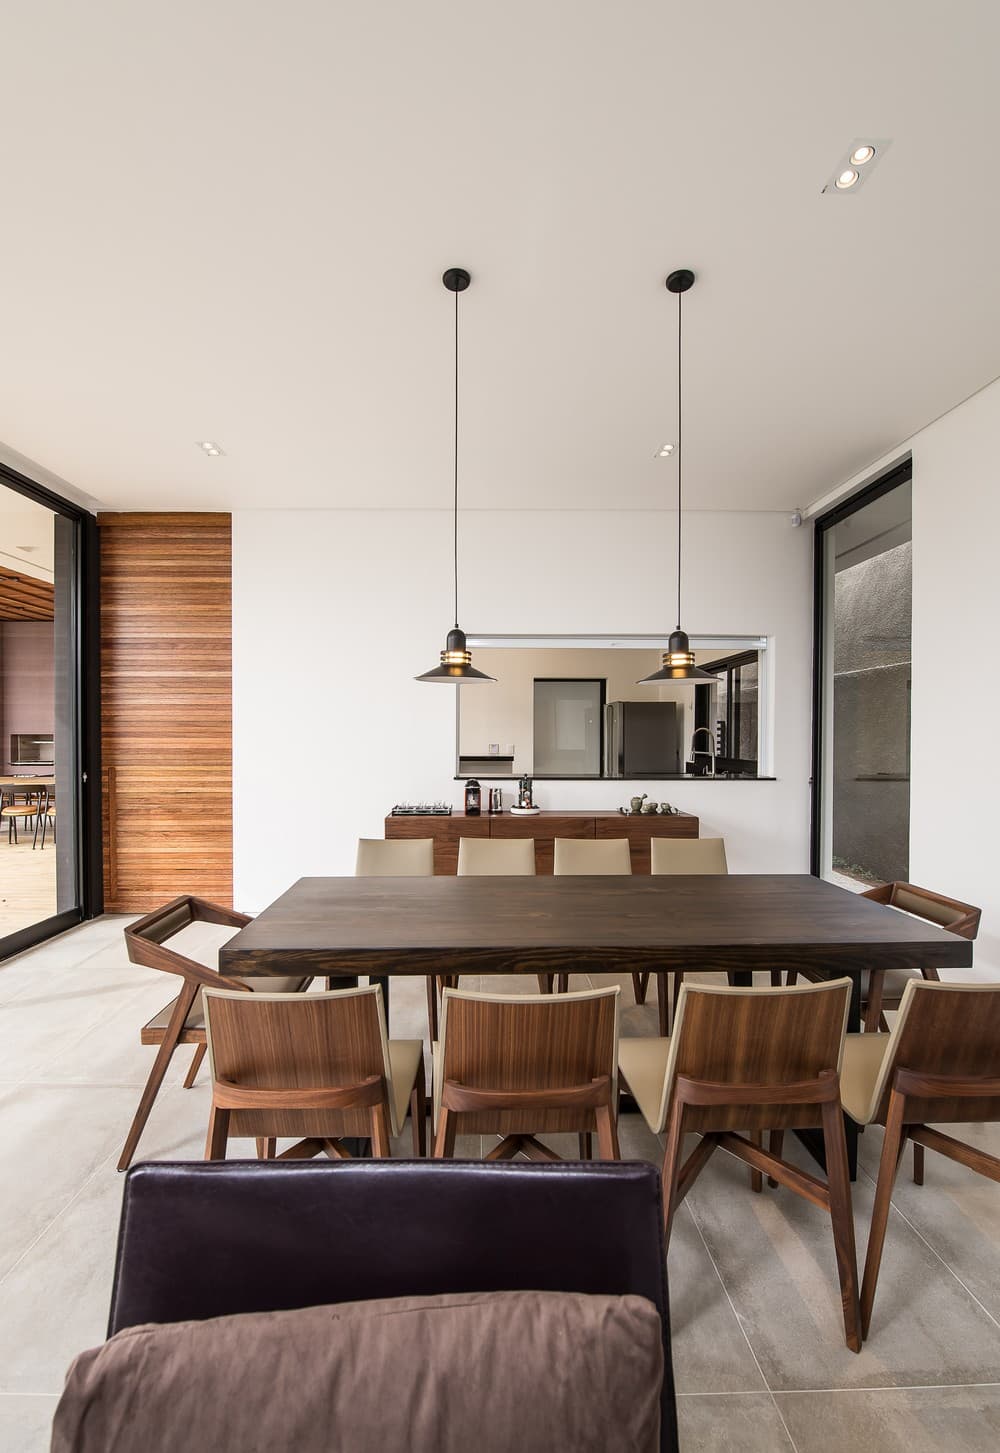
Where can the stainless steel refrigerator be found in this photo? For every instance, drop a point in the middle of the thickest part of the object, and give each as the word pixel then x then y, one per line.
pixel 642 738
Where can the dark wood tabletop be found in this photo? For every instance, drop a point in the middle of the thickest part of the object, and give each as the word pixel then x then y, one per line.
pixel 739 922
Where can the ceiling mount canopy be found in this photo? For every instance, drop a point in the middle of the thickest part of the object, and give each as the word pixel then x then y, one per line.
pixel 456 658
pixel 678 658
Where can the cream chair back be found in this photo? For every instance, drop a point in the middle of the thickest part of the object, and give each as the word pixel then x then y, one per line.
pixel 395 858
pixel 483 857
pixel 703 855
pixel 591 857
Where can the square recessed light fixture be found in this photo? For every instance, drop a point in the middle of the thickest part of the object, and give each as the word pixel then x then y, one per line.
pixel 664 451
pixel 212 450
pixel 857 164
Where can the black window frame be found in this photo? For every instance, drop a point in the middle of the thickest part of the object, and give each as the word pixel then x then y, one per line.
pixel 702 697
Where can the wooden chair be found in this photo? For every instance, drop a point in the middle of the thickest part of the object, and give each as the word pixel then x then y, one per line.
pixel 12 810
pixel 940 1064
pixel 885 990
pixel 522 1065
pixel 399 858
pixel 750 1060
pixel 594 857
pixel 182 1021
pixel 318 1066
pixel 482 857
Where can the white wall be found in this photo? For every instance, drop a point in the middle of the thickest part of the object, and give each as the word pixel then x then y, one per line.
pixel 954 791
pixel 335 612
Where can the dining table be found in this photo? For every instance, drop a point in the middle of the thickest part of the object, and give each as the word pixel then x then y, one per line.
pixel 735 924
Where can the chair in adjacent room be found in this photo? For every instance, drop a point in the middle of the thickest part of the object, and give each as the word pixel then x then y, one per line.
pixel 319 1067
pixel 940 1064
pixel 595 857
pixel 399 858
pixel 520 1066
pixel 182 1021
pixel 701 855
pixel 742 1061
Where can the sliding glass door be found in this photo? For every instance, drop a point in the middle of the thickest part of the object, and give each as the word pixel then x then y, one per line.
pixel 861 805
pixel 47 685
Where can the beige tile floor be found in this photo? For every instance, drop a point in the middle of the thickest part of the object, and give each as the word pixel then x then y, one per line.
pixel 759 1356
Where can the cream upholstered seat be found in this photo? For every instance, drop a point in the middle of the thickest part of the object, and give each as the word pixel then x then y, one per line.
pixel 592 857
pixel 195 1018
pixel 741 1062
pixel 320 1066
pixel 940 1064
pixel 485 857
pixel 702 855
pixel 694 855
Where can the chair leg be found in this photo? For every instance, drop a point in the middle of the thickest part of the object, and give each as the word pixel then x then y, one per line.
pixel 873 1009
pixel 672 1167
pixel 838 1178
pixel 586 1145
pixel 775 1140
pixel 563 984
pixel 640 983
pixel 444 1144
pixel 381 1149
pixel 418 1112
pixel 892 1151
pixel 607 1133
pixel 792 977
pixel 171 1035
pixel 546 983
pixel 663 1003
pixel 432 1007
pixel 195 1066
pixel 266 1145
pixel 775 978
pixel 218 1134
pixel 678 981
pixel 756 1137
pixel 918 1164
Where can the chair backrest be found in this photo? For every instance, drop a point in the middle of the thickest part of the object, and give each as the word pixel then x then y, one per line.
pixel 146 940
pixel 950 913
pixel 763 1036
pixel 295 1042
pixel 950 1030
pixel 687 855
pixel 592 857
pixel 395 858
pixel 527 1042
pixel 484 857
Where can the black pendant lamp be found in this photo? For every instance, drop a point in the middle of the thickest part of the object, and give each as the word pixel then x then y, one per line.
pixel 456 658
pixel 678 658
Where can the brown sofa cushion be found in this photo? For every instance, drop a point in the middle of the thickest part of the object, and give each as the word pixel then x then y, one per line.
pixel 481 1371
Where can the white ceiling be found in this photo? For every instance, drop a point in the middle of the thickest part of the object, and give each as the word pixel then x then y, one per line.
pixel 228 221
pixel 27 535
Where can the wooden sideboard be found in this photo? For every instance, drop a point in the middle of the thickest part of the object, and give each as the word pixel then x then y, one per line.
pixel 544 828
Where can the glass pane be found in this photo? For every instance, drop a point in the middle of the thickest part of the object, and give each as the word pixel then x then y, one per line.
pixel 866 694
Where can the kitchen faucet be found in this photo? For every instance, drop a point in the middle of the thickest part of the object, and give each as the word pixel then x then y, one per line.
pixel 711 738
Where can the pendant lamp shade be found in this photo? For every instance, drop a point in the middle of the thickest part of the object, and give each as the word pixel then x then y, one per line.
pixel 678 658
pixel 456 659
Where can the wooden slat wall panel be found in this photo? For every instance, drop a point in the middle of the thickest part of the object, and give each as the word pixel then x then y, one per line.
pixel 23 598
pixel 166 708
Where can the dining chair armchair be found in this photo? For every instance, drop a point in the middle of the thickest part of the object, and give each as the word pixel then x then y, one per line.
pixel 483 857
pixel 594 857
pixel 182 1021
pixel 398 858
pixel 885 987
pixel 705 856
pixel 940 1064
pixel 520 1066
pixel 320 1067
pixel 742 1061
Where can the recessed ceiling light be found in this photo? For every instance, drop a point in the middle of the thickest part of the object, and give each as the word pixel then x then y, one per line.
pixel 212 450
pixel 664 451
pixel 857 164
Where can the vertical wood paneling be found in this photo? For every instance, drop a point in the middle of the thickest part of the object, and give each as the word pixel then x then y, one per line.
pixel 166 708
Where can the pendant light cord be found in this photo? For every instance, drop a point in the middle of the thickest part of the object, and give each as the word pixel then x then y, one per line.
pixel 456 463
pixel 680 454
